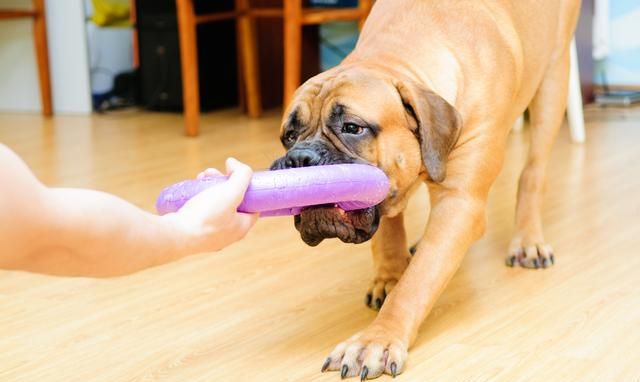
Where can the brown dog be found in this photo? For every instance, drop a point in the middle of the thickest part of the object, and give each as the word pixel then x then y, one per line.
pixel 429 94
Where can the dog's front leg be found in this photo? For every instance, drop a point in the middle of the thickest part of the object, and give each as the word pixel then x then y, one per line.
pixel 456 220
pixel 390 259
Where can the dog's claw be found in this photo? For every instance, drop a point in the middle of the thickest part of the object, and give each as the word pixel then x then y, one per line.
pixel 378 303
pixel 545 262
pixel 363 375
pixel 531 253
pixel 511 261
pixel 369 354
pixel 326 364
pixel 367 299
pixel 394 369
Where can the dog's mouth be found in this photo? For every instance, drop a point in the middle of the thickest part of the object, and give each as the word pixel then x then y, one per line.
pixel 317 223
pixel 330 221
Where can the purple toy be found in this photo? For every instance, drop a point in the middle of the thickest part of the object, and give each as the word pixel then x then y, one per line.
pixel 287 192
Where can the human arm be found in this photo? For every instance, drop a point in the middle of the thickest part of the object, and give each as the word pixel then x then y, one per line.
pixel 67 231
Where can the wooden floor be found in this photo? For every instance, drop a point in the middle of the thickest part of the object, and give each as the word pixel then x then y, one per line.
pixel 270 308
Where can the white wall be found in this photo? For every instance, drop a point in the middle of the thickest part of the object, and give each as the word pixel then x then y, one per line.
pixel 68 59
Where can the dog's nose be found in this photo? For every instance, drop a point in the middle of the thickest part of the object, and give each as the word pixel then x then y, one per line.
pixel 301 158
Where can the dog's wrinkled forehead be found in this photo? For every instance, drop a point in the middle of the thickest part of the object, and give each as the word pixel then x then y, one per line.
pixel 360 93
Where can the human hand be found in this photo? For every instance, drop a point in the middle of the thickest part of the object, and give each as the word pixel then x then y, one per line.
pixel 211 217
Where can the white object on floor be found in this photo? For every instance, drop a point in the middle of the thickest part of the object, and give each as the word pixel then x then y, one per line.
pixel 110 53
pixel 519 125
pixel 575 114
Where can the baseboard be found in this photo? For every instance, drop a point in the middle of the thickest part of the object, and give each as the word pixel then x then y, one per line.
pixel 600 89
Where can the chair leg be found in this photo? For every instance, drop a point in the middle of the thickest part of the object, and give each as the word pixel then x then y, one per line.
pixel 365 7
pixel 242 96
pixel 189 65
pixel 42 56
pixel 249 57
pixel 575 115
pixel 292 48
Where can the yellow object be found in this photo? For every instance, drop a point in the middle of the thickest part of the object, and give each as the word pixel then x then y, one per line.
pixel 111 13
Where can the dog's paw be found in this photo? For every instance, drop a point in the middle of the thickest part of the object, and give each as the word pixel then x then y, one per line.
pixel 378 292
pixel 532 254
pixel 368 354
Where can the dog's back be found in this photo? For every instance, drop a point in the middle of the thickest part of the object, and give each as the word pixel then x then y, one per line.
pixel 470 50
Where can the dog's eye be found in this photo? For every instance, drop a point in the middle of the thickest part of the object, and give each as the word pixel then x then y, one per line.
pixel 352 128
pixel 290 137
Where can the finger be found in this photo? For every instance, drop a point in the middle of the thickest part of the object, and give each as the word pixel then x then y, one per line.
pixel 249 220
pixel 253 219
pixel 208 173
pixel 233 165
pixel 239 178
pixel 244 223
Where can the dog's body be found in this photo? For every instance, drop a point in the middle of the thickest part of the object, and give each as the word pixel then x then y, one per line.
pixel 429 94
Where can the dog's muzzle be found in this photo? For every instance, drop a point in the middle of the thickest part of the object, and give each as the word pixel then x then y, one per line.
pixel 328 221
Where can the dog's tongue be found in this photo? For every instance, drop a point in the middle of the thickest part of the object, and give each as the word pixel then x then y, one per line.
pixel 340 211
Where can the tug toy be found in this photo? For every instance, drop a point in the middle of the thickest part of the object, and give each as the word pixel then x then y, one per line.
pixel 287 192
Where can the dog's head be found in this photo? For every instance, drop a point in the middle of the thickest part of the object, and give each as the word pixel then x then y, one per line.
pixel 358 114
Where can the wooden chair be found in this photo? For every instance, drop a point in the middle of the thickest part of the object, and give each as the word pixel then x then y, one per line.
pixel 40 42
pixel 294 15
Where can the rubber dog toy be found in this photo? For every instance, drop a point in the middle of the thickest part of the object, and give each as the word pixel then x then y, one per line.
pixel 287 192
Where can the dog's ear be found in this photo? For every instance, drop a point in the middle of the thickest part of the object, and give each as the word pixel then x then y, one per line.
pixel 438 125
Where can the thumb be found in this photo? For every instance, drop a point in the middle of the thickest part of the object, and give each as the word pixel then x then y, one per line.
pixel 239 178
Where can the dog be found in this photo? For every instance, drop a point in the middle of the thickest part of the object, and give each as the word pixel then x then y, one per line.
pixel 429 94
